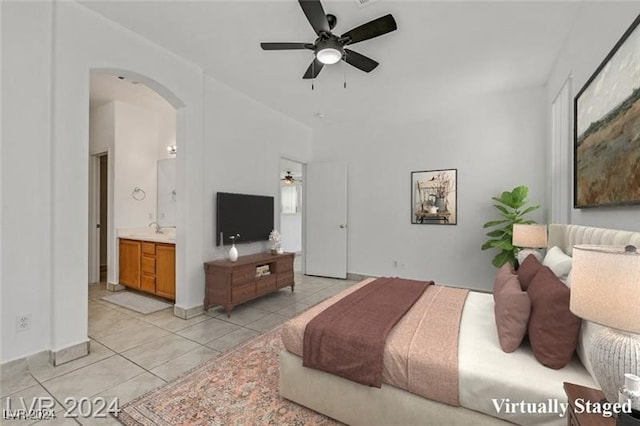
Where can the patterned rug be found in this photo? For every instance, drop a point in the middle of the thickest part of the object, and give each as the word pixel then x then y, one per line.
pixel 136 302
pixel 239 387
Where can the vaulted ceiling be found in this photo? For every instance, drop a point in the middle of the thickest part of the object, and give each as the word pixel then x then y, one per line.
pixel 443 51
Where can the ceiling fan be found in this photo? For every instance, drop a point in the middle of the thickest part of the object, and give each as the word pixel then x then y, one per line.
pixel 289 179
pixel 330 48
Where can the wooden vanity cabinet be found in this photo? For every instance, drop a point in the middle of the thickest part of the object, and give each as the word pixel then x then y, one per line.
pixel 148 262
pixel 130 267
pixel 148 266
pixel 166 270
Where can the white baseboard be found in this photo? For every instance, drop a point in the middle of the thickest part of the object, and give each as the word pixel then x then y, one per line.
pixel 69 353
pixel 188 313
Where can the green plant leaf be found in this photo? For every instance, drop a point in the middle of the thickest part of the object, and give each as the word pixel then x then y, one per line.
pixel 505 245
pixel 492 244
pixel 502 209
pixel 496 233
pixel 510 216
pixel 502 258
pixel 530 209
pixel 520 193
pixel 507 198
pixel 487 245
pixel 494 223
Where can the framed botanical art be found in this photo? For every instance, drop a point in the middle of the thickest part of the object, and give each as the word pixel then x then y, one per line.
pixel 433 197
pixel 607 129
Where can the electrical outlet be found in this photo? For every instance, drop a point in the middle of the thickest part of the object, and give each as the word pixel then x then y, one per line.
pixel 403 265
pixel 23 322
pixel 150 216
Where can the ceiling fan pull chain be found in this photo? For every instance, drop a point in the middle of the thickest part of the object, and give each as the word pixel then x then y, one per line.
pixel 345 76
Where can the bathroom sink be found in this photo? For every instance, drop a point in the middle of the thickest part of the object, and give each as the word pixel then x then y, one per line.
pixel 158 238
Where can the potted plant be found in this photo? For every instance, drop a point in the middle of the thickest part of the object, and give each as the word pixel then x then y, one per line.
pixel 512 209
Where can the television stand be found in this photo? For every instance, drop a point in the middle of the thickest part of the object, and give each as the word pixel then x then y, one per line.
pixel 232 283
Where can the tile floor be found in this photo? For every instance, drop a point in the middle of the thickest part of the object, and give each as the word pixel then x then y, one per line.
pixel 132 353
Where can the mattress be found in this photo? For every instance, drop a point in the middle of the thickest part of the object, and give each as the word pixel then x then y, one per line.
pixel 490 381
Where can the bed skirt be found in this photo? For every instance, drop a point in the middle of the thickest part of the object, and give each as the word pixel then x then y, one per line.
pixel 356 404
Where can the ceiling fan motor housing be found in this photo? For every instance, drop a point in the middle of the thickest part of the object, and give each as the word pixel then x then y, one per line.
pixel 329 51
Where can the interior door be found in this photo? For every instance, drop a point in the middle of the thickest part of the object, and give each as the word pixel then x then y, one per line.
pixel 326 219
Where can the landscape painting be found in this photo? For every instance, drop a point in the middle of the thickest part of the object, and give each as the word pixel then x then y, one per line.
pixel 607 129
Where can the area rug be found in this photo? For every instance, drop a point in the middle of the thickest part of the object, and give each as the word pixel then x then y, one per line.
pixel 136 302
pixel 239 387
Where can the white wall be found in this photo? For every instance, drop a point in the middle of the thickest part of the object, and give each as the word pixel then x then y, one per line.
pixel 496 142
pixel 25 167
pixel 135 165
pixel 102 128
pixel 291 231
pixel 597 28
pixel 245 143
pixel 45 150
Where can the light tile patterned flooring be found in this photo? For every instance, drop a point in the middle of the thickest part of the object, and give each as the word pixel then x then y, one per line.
pixel 132 353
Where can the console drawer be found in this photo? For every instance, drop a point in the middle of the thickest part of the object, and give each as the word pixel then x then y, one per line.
pixel 243 275
pixel 265 285
pixel 241 293
pixel 285 279
pixel 284 265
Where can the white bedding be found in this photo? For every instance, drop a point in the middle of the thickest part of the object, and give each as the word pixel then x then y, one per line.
pixel 486 372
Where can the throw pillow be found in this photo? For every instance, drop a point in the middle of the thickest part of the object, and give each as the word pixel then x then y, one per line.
pixel 504 273
pixel 512 309
pixel 558 262
pixel 553 330
pixel 528 270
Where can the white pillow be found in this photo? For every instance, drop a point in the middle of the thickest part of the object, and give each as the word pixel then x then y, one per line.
pixel 567 282
pixel 558 262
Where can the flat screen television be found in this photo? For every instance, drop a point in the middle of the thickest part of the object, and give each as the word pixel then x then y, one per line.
pixel 251 216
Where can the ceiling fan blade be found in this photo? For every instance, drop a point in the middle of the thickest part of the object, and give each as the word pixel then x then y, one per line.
pixel 285 46
pixel 314 69
pixel 371 29
pixel 359 61
pixel 315 15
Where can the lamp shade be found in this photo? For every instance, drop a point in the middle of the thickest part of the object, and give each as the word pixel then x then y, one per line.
pixel 605 286
pixel 532 236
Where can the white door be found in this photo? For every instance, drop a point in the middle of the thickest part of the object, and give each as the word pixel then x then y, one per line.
pixel 326 219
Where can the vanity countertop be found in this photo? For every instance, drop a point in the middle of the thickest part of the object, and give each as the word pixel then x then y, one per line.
pixel 167 236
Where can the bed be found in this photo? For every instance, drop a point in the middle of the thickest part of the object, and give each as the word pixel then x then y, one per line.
pixel 486 374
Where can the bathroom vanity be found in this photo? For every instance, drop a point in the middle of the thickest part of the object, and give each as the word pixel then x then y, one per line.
pixel 148 263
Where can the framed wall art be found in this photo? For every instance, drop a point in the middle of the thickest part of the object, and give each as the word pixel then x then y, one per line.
pixel 606 129
pixel 433 197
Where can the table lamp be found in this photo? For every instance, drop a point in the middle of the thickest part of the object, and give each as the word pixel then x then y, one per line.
pixel 605 289
pixel 530 238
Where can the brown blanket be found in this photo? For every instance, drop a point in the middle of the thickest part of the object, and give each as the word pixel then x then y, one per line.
pixel 347 339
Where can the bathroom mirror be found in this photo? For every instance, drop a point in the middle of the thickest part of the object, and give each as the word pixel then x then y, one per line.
pixel 167 192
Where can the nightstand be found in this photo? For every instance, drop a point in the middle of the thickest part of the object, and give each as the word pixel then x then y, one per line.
pixel 584 419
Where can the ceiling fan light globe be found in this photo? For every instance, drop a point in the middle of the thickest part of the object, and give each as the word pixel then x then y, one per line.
pixel 329 55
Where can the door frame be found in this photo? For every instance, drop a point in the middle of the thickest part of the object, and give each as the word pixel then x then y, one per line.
pixel 94 215
pixel 303 210
pixel 342 224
